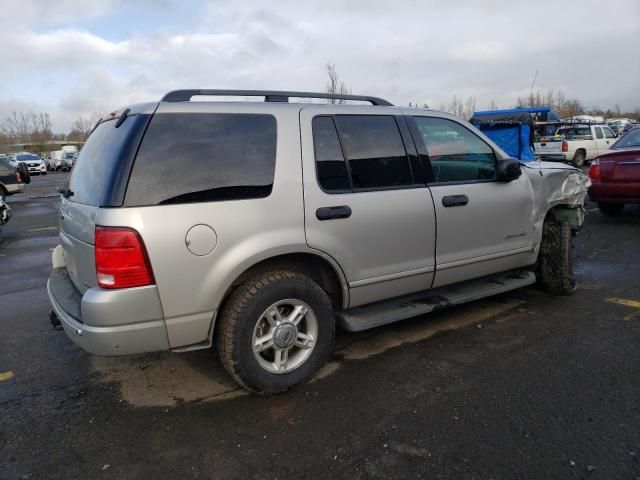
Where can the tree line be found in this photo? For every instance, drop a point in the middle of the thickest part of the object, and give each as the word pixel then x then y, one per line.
pixel 36 127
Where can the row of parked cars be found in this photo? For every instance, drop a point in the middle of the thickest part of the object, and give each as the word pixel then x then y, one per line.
pixel 40 165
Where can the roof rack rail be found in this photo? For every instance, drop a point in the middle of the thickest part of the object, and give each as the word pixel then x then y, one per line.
pixel 269 95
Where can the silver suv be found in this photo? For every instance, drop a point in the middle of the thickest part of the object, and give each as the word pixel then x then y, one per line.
pixel 262 225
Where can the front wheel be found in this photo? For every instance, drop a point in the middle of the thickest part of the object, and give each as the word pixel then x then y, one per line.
pixel 555 260
pixel 275 331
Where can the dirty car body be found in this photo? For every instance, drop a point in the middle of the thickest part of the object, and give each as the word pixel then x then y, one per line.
pixel 326 215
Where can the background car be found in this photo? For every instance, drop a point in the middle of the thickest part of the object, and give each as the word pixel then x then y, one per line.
pixel 34 163
pixel 12 178
pixel 615 176
pixel 68 159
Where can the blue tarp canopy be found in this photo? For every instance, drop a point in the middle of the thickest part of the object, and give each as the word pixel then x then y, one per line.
pixel 513 129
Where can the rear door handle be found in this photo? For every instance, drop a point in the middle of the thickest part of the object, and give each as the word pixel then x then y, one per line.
pixel 455 200
pixel 331 213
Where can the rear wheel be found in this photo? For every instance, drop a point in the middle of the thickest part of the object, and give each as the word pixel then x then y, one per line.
pixel 555 260
pixel 3 193
pixel 610 209
pixel 579 158
pixel 275 331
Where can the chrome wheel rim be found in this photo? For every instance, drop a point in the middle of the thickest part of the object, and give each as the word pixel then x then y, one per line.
pixel 284 336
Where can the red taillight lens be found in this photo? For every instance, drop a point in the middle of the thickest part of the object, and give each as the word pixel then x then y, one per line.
pixel 594 170
pixel 18 177
pixel 565 146
pixel 121 258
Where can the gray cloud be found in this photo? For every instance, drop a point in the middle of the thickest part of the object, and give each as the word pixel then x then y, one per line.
pixel 406 50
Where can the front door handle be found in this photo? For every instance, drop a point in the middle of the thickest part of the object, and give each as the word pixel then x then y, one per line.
pixel 455 200
pixel 331 213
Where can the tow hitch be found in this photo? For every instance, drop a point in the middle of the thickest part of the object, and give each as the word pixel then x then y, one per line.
pixel 55 321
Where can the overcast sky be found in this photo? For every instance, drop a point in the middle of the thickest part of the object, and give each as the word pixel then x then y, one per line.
pixel 72 57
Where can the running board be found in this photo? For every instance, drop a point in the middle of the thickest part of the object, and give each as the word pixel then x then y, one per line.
pixel 408 306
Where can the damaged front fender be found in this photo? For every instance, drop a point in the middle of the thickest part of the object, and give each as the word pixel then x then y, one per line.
pixel 559 188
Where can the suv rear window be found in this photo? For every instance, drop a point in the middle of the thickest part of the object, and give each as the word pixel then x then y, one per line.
pixel 97 165
pixel 203 157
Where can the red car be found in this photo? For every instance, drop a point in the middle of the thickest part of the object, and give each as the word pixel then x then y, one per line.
pixel 615 175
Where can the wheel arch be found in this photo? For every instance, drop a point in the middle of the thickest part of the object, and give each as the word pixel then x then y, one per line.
pixel 321 268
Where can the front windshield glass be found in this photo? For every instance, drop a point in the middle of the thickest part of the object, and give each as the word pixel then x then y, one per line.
pixel 630 140
pixel 25 156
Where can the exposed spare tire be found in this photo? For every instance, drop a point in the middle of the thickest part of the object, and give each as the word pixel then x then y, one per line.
pixel 24 173
pixel 555 260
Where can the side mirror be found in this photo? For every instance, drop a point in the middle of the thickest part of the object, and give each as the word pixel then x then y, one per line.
pixel 508 170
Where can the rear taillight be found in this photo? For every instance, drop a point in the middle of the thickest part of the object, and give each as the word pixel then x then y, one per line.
pixel 121 258
pixel 565 146
pixel 18 177
pixel 594 170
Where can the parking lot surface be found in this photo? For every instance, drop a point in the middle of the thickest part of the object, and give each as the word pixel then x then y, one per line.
pixel 523 385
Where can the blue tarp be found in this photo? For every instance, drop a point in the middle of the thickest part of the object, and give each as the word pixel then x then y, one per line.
pixel 513 139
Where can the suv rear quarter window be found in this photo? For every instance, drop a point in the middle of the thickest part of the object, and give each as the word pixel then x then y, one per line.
pixel 201 157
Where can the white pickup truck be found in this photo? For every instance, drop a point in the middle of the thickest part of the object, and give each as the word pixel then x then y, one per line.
pixel 576 144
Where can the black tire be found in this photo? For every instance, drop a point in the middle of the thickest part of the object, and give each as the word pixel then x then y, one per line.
pixel 3 193
pixel 579 158
pixel 610 209
pixel 240 315
pixel 555 260
pixel 44 173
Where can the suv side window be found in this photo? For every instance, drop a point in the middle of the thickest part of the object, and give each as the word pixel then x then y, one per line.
pixel 599 133
pixel 204 157
pixel 456 154
pixel 374 151
pixel 330 164
pixel 608 133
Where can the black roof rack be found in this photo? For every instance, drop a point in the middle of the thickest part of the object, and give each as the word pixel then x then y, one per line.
pixel 269 95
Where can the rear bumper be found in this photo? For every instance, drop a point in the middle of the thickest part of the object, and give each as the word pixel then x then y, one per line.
pixel 615 192
pixel 89 319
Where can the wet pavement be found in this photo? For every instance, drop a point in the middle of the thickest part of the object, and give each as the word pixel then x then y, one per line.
pixel 523 385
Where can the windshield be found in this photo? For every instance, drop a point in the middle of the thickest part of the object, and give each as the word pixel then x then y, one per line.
pixel 630 140
pixel 69 155
pixel 26 157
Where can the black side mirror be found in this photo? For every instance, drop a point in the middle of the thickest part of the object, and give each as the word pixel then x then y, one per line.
pixel 508 170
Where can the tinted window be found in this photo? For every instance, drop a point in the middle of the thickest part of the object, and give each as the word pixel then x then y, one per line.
pixel 97 161
pixel 599 133
pixel 374 150
pixel 608 133
pixel 575 132
pixel 201 157
pixel 26 157
pixel 456 154
pixel 330 164
pixel 630 139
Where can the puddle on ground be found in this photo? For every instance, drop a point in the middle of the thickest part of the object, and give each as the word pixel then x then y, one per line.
pixel 168 379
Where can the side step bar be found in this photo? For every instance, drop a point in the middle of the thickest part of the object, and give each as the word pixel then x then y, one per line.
pixel 408 306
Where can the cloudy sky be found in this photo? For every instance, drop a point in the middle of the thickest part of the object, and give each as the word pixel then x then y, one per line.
pixel 73 57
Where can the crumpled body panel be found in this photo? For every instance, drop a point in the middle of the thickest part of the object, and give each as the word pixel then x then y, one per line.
pixel 556 184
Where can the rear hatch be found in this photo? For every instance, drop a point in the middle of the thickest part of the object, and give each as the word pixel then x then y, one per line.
pixel 622 166
pixel 98 181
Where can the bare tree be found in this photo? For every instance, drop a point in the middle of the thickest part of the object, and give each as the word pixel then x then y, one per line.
pixel 29 127
pixel 335 86
pixel 462 108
